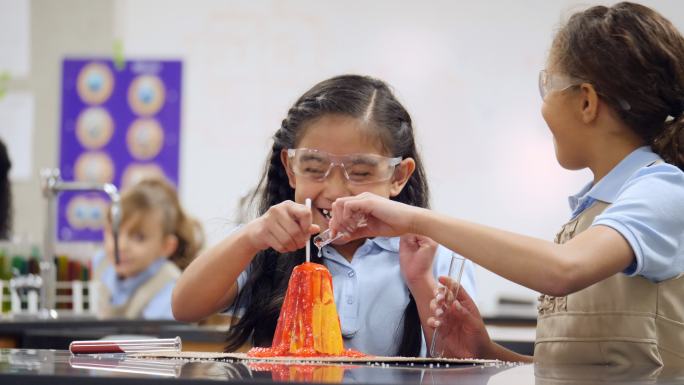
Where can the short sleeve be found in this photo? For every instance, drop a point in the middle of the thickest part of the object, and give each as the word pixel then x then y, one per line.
pixel 649 214
pixel 242 298
pixel 236 309
pixel 441 268
pixel 242 278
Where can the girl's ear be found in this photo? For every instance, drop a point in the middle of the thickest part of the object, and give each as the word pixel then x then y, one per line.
pixel 590 101
pixel 169 245
pixel 402 174
pixel 286 163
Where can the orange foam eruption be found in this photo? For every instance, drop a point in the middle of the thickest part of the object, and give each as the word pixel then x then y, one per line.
pixel 308 325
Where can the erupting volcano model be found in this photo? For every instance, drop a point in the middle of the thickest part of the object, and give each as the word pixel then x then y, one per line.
pixel 308 325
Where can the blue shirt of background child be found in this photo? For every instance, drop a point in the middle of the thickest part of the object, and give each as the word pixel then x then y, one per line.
pixel 121 290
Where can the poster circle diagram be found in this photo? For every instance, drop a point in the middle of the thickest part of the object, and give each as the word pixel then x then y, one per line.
pixel 94 128
pixel 146 95
pixel 95 167
pixel 145 138
pixel 95 83
pixel 86 213
pixel 141 171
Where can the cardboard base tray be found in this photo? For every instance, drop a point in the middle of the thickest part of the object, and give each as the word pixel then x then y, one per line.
pixel 369 360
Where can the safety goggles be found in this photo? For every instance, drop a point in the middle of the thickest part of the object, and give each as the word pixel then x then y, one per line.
pixel 316 165
pixel 555 82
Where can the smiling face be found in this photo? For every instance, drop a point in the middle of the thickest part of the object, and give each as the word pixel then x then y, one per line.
pixel 341 135
pixel 141 242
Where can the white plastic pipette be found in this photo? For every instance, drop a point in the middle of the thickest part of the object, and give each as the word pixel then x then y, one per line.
pixel 307 202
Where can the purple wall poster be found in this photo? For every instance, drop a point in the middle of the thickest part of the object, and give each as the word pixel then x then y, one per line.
pixel 118 126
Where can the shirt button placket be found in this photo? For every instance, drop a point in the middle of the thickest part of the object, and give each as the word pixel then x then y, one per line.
pixel 350 298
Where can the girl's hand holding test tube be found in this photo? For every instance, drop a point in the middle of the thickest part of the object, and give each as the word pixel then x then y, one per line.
pixel 461 329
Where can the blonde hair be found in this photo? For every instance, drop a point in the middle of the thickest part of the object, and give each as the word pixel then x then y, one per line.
pixel 157 194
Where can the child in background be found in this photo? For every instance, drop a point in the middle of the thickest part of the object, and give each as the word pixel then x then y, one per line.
pixel 612 283
pixel 156 241
pixel 344 136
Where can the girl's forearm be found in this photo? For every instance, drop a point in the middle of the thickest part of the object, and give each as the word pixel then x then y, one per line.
pixel 423 291
pixel 208 284
pixel 531 262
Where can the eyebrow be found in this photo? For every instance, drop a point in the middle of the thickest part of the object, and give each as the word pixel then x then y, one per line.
pixel 313 157
pixel 365 160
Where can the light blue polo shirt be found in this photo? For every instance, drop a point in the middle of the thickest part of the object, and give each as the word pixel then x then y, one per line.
pixel 647 209
pixel 121 290
pixel 371 294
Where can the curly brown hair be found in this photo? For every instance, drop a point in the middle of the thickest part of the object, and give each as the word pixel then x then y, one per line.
pixel 634 57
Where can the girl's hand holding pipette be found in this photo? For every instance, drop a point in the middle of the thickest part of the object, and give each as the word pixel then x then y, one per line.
pixel 285 227
pixel 384 217
pixel 461 327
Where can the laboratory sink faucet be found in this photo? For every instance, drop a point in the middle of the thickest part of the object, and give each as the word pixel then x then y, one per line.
pixel 52 185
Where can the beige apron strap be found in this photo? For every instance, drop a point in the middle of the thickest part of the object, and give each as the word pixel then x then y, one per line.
pixel 144 294
pixel 100 268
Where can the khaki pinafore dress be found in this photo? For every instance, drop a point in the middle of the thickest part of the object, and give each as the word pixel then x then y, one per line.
pixel 619 321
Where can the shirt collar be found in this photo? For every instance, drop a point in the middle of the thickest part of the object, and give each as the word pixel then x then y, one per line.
pixel 385 243
pixel 609 186
pixel 389 244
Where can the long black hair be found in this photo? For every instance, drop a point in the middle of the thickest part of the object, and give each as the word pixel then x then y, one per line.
pixel 361 97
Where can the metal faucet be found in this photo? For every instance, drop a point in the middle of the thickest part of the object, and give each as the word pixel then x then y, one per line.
pixel 52 185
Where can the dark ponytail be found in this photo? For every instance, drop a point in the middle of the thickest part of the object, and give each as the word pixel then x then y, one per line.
pixel 670 144
pixel 634 57
pixel 361 97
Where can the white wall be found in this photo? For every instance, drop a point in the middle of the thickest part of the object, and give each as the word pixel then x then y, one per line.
pixel 57 29
pixel 466 71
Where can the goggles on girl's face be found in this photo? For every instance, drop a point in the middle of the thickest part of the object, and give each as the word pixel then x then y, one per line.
pixel 357 168
pixel 555 82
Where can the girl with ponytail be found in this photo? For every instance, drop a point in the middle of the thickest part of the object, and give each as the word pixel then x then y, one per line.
pixel 345 136
pixel 612 282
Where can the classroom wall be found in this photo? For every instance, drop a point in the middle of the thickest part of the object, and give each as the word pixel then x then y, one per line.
pixel 56 29
pixel 465 70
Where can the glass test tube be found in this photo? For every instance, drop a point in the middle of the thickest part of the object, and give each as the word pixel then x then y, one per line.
pixel 455 272
pixel 126 346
